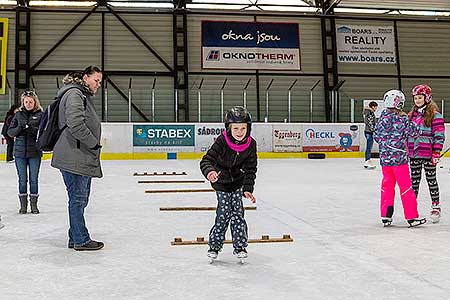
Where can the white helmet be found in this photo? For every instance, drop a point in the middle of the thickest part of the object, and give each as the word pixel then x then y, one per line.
pixel 394 99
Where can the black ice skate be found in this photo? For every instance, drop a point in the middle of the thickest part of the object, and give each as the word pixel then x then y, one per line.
pixel 212 254
pixel 416 222
pixel 386 221
pixel 240 254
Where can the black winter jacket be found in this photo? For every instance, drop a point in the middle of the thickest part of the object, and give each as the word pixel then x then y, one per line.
pixel 237 169
pixel 24 127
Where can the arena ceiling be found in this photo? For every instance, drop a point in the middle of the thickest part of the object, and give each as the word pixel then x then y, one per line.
pixel 401 7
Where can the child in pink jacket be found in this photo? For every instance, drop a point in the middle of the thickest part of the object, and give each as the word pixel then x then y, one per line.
pixel 391 134
pixel 424 150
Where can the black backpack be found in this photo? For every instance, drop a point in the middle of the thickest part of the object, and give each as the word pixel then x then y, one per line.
pixel 49 131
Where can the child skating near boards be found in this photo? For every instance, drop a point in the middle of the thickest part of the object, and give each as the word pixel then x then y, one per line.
pixel 425 149
pixel 230 165
pixel 391 133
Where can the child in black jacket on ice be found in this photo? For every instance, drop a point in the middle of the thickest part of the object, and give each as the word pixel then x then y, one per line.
pixel 230 166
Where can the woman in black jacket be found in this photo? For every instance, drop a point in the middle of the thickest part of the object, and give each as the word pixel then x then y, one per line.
pixel 230 166
pixel 24 127
pixel 9 140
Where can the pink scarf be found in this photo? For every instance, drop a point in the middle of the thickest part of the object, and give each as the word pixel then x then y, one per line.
pixel 233 146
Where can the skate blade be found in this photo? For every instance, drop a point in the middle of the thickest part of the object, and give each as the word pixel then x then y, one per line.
pixel 434 221
pixel 370 168
pixel 420 222
pixel 387 224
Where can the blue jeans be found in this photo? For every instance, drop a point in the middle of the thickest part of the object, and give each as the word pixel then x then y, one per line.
pixel 23 165
pixel 78 189
pixel 369 137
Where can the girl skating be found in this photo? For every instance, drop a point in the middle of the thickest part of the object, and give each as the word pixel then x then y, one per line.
pixel 230 166
pixel 391 133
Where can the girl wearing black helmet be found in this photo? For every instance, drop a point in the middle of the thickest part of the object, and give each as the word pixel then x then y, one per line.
pixel 230 166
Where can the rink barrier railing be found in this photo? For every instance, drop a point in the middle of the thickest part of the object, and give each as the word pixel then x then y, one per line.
pixel 135 141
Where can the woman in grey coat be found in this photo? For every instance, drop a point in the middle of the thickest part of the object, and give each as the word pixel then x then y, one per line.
pixel 77 152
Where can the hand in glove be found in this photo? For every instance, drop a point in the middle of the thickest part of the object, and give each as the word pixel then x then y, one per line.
pixel 96 147
pixel 435 158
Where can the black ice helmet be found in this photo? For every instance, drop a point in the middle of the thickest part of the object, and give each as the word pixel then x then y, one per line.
pixel 238 114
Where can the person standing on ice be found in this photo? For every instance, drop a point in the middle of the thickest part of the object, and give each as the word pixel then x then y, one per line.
pixel 230 165
pixel 77 152
pixel 24 128
pixel 425 150
pixel 370 121
pixel 391 133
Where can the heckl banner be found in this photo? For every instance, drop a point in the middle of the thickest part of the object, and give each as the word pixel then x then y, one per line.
pixel 163 135
pixel 250 45
pixel 330 138
pixel 365 44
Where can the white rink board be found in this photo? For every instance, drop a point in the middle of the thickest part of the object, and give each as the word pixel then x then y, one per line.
pixel 118 137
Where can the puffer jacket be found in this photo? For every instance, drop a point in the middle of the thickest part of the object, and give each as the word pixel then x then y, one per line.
pixel 391 133
pixel 237 169
pixel 24 127
pixel 431 139
pixel 74 151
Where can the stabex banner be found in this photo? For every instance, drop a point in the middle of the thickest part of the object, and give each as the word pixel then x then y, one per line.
pixel 250 45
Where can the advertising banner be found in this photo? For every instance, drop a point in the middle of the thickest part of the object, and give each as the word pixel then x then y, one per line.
pixel 164 137
pixel 3 48
pixel 365 44
pixel 287 138
pixel 206 134
pixel 250 45
pixel 330 138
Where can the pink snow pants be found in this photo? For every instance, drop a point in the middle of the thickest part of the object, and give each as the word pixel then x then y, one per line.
pixel 400 175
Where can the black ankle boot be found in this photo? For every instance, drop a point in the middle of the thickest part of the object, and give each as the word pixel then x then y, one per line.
pixel 33 203
pixel 23 200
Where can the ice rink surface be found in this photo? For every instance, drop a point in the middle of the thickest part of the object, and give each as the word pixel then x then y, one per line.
pixel 329 207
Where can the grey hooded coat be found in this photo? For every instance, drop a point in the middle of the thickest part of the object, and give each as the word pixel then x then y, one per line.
pixel 74 151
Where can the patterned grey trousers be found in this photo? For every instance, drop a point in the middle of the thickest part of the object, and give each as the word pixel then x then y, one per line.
pixel 416 165
pixel 229 210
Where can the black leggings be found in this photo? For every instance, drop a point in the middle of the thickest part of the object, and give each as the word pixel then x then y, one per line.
pixel 430 174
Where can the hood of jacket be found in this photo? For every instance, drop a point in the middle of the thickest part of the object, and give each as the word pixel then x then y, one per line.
pixel 71 80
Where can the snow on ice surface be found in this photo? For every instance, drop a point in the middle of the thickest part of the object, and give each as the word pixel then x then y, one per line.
pixel 330 208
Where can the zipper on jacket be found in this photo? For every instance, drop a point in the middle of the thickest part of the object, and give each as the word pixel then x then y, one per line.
pixel 235 159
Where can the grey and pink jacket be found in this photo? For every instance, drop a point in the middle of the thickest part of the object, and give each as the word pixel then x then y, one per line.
pixel 430 140
pixel 391 133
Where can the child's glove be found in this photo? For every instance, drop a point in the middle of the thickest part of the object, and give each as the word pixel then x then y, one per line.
pixel 435 158
pixel 213 176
